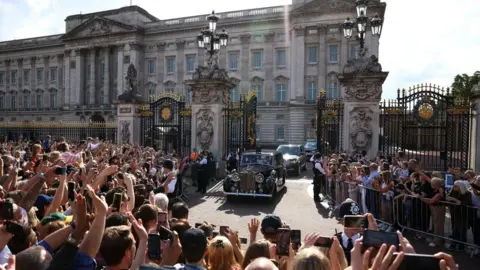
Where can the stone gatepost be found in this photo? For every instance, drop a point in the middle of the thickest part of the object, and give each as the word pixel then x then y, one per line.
pixel 361 82
pixel 475 147
pixel 210 88
pixel 128 110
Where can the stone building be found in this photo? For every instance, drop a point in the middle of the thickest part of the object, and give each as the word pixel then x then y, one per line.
pixel 285 53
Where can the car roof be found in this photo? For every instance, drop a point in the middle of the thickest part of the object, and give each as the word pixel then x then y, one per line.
pixel 263 152
pixel 290 145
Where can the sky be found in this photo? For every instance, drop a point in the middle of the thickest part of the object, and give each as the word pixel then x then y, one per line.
pixel 423 41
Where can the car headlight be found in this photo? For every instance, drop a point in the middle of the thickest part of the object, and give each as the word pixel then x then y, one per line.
pixel 259 178
pixel 235 177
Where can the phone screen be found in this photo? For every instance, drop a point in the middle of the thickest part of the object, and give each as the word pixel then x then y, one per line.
pixel 117 201
pixel 6 210
pixel 61 171
pixel 223 230
pixel 154 246
pixel 355 222
pixel 296 239
pixel 283 242
pixel 162 219
pixel 418 261
pixel 376 238
pixel 71 191
pixel 324 242
pixel 88 201
pixel 243 240
pixel 448 180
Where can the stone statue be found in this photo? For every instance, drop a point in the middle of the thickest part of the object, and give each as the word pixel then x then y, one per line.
pixel 125 132
pixel 205 128
pixel 131 79
pixel 360 129
pixel 100 27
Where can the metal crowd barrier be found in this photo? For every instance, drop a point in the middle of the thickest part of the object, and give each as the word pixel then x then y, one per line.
pixel 445 220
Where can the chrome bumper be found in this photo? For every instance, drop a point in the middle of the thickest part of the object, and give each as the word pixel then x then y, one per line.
pixel 246 194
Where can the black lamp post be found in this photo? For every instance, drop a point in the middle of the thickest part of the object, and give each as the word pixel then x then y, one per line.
pixel 210 40
pixel 376 24
pixel 321 101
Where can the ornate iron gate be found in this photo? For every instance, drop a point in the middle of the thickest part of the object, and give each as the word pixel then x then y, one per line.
pixel 429 124
pixel 329 124
pixel 166 124
pixel 240 124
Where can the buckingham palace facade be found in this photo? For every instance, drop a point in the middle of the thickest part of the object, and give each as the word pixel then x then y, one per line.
pixel 286 53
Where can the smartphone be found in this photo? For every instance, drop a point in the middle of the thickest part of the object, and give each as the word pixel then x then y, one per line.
pixel 60 171
pixel 162 219
pixel 360 222
pixel 418 261
pixel 88 201
pixel 15 229
pixel 296 239
pixel 324 242
pixel 117 201
pixel 165 234
pixel 243 240
pixel 197 225
pixel 6 210
pixel 71 191
pixel 283 241
pixel 154 246
pixel 45 157
pixel 223 230
pixel 449 180
pixel 376 238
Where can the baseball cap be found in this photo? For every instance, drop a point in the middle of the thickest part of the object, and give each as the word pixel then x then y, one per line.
pixel 55 217
pixel 271 222
pixel 194 239
pixel 348 207
pixel 43 200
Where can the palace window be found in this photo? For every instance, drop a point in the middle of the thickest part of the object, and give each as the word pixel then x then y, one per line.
pixel 333 53
pixel 39 75
pixel 312 55
pixel 233 58
pixel 2 78
pixel 234 95
pixel 257 59
pixel 280 133
pixel 151 66
pixel 39 101
pixel 14 77
pixel 190 63
pixel 281 92
pixel 171 65
pixel 53 101
pixel 353 51
pixel 312 90
pixel 281 62
pixel 333 89
pixel 26 101
pixel 188 95
pixel 259 89
pixel 13 104
pixel 102 98
pixel 26 77
pixel 53 74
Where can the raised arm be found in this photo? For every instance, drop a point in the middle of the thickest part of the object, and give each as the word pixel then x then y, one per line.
pixel 29 200
pixel 58 198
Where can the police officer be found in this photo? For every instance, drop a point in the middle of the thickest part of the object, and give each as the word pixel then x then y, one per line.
pixel 319 178
pixel 203 174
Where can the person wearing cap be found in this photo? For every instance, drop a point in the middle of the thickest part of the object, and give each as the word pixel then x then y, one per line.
pixel 42 203
pixel 319 178
pixel 269 226
pixel 349 235
pixel 194 248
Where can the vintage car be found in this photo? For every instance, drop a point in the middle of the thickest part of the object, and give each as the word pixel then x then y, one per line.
pixel 294 156
pixel 260 174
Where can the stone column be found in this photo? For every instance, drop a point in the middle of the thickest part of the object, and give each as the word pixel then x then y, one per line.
pixel 180 68
pixel 77 79
pixel 322 58
pixel 160 72
pixel 33 78
pixel 120 73
pixel 269 68
pixel 106 75
pixel 46 80
pixel 245 64
pixel 91 82
pixel 67 98
pixel 128 122
pixel 361 83
pixel 60 82
pixel 209 98
pixel 475 153
pixel 297 86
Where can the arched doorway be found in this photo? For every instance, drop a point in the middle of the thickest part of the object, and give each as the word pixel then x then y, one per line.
pixel 167 138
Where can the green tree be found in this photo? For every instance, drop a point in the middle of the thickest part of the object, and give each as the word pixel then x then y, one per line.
pixel 463 84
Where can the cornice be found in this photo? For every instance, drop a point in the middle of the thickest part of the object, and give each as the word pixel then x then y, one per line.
pixel 161 46
pixel 180 44
pixel 300 31
pixel 7 62
pixel 19 61
pixel 245 38
pixel 270 37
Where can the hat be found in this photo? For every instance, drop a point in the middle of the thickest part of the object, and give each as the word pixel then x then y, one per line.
pixel 168 164
pixel 54 217
pixel 348 207
pixel 194 239
pixel 43 200
pixel 271 221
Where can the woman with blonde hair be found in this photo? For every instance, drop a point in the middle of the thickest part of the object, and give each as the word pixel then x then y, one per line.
pixel 335 254
pixel 311 259
pixel 256 250
pixel 221 255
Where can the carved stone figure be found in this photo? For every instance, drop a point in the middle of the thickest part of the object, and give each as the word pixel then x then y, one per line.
pixel 361 128
pixel 131 79
pixel 125 132
pixel 363 91
pixel 205 128
pixel 363 65
pixel 212 72
pixel 205 95
pixel 100 27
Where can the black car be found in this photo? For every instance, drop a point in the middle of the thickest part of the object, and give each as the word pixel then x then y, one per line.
pixel 260 174
pixel 294 156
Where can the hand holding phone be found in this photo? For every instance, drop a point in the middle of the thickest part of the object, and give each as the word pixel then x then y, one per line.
pixel 418 261
pixel 357 222
pixel 283 242
pixel 323 241
pixel 60 171
pixel 162 220
pixel 375 239
pixel 223 230
pixel 154 246
pixel 71 191
pixel 6 211
pixel 117 201
pixel 296 239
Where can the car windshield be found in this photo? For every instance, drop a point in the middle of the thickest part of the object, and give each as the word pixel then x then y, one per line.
pixel 256 159
pixel 311 145
pixel 291 150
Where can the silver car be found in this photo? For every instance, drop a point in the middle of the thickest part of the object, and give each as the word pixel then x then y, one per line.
pixel 310 148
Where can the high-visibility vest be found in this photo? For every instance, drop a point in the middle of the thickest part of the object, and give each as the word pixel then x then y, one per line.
pixel 194 156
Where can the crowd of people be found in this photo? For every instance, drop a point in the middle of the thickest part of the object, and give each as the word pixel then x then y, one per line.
pixel 401 195
pixel 98 205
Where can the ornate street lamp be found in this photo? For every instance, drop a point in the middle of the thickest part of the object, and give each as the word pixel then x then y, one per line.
pixel 212 41
pixel 362 24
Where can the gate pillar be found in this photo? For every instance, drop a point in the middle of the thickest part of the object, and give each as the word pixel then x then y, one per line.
pixel 128 110
pixel 361 82
pixel 210 88
pixel 475 146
